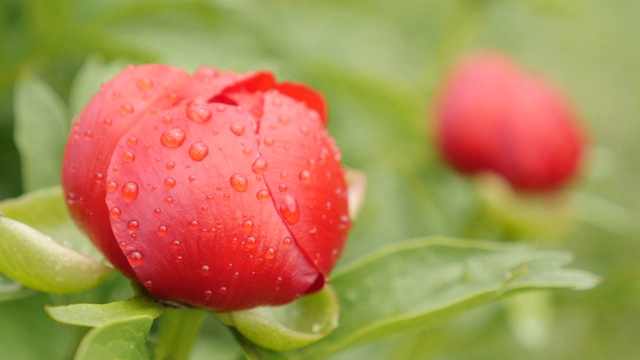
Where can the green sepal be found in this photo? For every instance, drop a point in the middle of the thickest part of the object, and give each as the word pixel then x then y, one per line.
pixel 290 326
pixel 38 262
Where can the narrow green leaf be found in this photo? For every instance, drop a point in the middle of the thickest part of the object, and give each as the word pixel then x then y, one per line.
pixel 38 262
pixel 289 326
pixel 45 211
pixel 87 82
pixel 96 315
pixel 420 283
pixel 122 339
pixel 41 128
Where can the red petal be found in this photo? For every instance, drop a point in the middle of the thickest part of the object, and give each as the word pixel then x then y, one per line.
pixel 112 111
pixel 312 98
pixel 131 96
pixel 215 239
pixel 305 177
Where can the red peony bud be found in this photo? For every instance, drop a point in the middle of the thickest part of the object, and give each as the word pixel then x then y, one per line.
pixel 493 116
pixel 218 190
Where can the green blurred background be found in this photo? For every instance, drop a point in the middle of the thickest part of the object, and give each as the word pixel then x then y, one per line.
pixel 378 64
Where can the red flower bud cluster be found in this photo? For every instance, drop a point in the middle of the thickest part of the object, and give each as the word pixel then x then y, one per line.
pixel 218 190
pixel 492 116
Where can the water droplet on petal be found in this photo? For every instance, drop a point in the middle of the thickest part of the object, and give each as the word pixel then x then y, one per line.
pixel 166 119
pixel 198 112
pixel 239 182
pixel 268 141
pixel 126 109
pixel 170 165
pixel 169 183
pixel 162 230
pixel 173 138
pixel 282 187
pixel 99 177
pixel 223 290
pixel 128 156
pixel 251 242
pixel 263 195
pixel 208 294
pixel 237 129
pixel 132 141
pixel 247 225
pixel 115 212
pixel 135 258
pixel 246 151
pixel 259 166
pixel 122 245
pixel 287 242
pixel 112 186
pixel 175 245
pixel 283 120
pixel 270 254
pixel 198 151
pixel 133 225
pixel 305 176
pixel 204 270
pixel 168 200
pixel 289 210
pixel 145 84
pixel 129 191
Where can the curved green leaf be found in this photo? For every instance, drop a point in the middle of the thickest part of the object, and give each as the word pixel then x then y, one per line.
pixel 123 339
pixel 97 315
pixel 45 211
pixel 289 326
pixel 420 283
pixel 41 128
pixel 38 262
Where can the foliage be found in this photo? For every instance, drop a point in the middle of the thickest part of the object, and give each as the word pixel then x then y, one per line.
pixel 378 63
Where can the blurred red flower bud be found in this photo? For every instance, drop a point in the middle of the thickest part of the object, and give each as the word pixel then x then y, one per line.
pixel 492 116
pixel 218 190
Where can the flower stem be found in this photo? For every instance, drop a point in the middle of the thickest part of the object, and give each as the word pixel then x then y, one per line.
pixel 179 329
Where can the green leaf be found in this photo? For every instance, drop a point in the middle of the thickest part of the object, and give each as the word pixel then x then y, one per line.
pixel 120 328
pixel 96 315
pixel 38 262
pixel 123 339
pixel 289 326
pixel 420 283
pixel 45 211
pixel 87 82
pixel 41 128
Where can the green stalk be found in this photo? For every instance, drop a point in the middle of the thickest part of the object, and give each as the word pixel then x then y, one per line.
pixel 179 329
